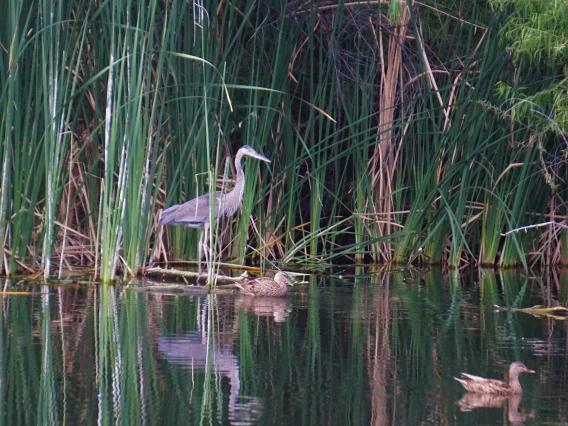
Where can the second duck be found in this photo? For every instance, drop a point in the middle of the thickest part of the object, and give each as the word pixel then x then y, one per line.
pixel 477 384
pixel 264 286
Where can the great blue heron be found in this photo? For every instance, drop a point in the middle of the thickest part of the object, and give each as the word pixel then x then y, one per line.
pixel 196 213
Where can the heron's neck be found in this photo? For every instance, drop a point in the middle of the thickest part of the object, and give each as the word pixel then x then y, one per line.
pixel 239 187
pixel 233 199
pixel 238 166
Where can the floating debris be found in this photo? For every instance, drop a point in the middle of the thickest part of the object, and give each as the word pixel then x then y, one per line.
pixel 556 312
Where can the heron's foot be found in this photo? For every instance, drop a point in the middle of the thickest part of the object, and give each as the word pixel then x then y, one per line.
pixel 202 277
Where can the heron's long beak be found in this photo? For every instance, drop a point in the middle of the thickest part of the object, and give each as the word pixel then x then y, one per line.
pixel 529 371
pixel 262 157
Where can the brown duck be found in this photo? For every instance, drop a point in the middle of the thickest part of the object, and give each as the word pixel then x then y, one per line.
pixel 264 286
pixel 480 385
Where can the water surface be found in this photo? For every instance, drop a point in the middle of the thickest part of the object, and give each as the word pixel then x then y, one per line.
pixel 378 349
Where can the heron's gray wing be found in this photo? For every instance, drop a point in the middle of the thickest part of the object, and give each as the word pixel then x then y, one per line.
pixel 193 213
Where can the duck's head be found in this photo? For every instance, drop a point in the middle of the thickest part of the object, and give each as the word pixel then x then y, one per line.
pixel 518 367
pixel 283 278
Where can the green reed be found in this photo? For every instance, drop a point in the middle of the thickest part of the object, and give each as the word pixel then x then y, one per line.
pixel 57 86
pixel 20 128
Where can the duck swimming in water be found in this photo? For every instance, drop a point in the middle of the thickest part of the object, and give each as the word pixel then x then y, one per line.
pixel 264 286
pixel 480 385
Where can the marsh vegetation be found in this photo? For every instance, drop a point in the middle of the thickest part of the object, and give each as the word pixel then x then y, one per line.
pixel 399 132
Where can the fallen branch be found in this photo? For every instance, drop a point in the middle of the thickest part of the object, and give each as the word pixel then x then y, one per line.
pixel 538 225
pixel 219 279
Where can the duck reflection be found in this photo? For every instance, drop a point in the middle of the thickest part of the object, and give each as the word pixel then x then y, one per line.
pixel 194 352
pixel 471 401
pixel 263 306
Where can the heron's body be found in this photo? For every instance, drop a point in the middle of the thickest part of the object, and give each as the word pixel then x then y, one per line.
pixel 196 213
pixel 477 384
pixel 192 213
pixel 264 286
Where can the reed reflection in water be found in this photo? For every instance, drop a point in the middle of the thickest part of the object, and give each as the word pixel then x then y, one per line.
pixel 380 349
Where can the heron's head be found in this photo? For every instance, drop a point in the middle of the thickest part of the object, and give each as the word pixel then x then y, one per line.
pixel 247 150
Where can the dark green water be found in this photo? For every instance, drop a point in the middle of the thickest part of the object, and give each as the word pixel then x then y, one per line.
pixel 380 350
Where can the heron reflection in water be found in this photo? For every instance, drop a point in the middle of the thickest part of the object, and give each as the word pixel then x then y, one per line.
pixel 196 213
pixel 194 351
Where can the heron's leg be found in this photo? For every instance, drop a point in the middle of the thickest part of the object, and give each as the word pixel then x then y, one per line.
pixel 206 247
pixel 200 249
